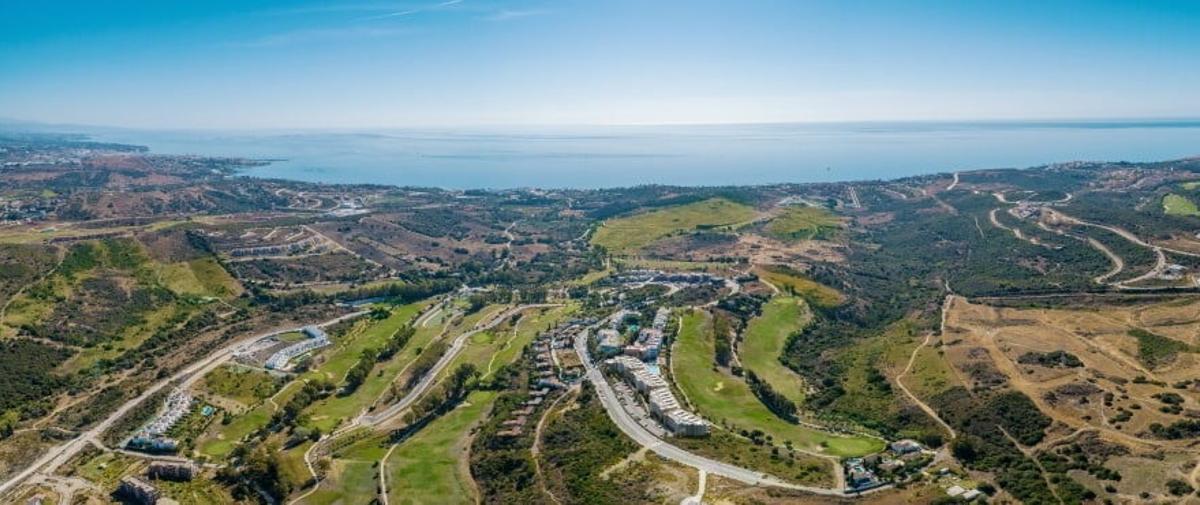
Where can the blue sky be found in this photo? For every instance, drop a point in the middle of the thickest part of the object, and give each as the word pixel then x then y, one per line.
pixel 262 64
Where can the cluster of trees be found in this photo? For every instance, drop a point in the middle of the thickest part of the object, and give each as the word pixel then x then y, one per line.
pixel 425 362
pixel 777 403
pixel 1052 359
pixel 1072 457
pixel 312 391
pixel 369 357
pixel 453 390
pixel 985 425
pixel 361 370
pixel 722 347
pixel 336 267
pixel 1184 428
pixel 20 264
pixel 438 222
pixel 402 292
pixel 579 445
pixel 397 342
pixel 745 306
pixel 26 373
pixel 260 467
pixel 1156 350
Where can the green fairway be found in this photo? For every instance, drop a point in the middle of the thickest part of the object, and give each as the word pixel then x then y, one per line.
pixel 791 282
pixel 430 467
pixel 725 399
pixel 764 339
pixel 490 350
pixel 804 223
pixel 347 349
pixel 329 413
pixel 1177 205
pixel 627 235
pixel 326 414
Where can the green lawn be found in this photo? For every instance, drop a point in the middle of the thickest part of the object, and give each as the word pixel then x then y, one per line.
pixel 725 399
pixel 764 339
pixel 426 468
pixel 1178 205
pixel 804 223
pixel 628 234
pixel 222 438
pixel 930 375
pixel 244 385
pixel 349 482
pixel 200 277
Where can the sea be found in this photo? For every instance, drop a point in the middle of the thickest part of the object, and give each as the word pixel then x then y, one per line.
pixel 694 155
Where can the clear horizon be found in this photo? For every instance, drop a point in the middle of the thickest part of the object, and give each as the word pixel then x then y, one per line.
pixel 270 65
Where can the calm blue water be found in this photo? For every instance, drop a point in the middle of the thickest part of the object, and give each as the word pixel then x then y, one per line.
pixel 591 157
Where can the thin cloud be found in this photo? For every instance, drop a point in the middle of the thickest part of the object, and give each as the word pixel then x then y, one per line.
pixel 323 34
pixel 341 7
pixel 396 14
pixel 413 10
pixel 508 15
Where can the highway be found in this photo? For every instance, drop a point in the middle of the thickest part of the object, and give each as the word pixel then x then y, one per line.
pixel 57 456
pixel 643 437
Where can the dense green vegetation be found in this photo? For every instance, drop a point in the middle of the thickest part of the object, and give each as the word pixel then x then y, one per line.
pixel 1155 350
pixel 990 427
pixel 26 372
pixel 21 264
pixel 1052 359
pixel 1181 429
pixel 578 446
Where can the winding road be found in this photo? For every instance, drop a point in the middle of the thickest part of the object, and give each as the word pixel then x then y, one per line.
pixel 628 425
pixel 57 456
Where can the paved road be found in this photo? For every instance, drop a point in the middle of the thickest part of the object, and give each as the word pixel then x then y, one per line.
pixel 57 456
pixel 442 363
pixel 643 437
